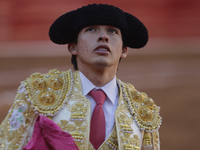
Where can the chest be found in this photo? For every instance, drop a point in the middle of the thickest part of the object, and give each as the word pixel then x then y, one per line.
pixel 75 118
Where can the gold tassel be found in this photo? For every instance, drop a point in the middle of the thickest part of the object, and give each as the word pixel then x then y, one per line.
pixel 147 139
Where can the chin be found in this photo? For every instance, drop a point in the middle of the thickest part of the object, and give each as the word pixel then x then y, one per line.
pixel 101 64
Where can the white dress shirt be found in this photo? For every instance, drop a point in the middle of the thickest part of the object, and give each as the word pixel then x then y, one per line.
pixel 111 101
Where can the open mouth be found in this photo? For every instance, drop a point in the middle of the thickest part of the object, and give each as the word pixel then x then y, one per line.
pixel 102 48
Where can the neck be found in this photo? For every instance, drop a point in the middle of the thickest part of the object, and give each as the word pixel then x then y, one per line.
pixel 99 77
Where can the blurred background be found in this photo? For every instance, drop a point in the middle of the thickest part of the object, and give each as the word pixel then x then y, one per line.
pixel 167 69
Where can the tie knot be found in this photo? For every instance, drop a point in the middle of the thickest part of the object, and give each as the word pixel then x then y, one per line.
pixel 99 96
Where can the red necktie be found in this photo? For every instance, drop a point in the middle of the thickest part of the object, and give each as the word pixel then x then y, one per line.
pixel 97 126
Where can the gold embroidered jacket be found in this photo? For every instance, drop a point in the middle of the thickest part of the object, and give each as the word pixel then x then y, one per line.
pixel 58 95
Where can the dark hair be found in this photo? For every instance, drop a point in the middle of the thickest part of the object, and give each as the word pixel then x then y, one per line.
pixel 74 62
pixel 73 58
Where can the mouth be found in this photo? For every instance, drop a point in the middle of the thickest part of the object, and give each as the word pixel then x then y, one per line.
pixel 102 48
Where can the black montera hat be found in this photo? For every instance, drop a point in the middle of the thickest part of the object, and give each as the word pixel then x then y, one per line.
pixel 66 28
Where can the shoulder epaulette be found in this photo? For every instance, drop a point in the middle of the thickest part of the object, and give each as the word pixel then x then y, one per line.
pixel 49 92
pixel 145 112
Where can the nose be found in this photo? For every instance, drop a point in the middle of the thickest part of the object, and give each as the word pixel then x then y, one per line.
pixel 103 37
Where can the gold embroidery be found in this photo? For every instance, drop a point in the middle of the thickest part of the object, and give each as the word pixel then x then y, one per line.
pixel 16 124
pixel 39 84
pixel 143 109
pixel 48 99
pixel 78 106
pixel 63 124
pixel 78 116
pixel 56 88
pixel 55 82
pixel 145 114
pixel 74 130
pixel 104 147
pixel 137 96
pixel 77 81
pixel 77 127
pixel 54 72
pixel 147 139
pixel 36 75
pixel 129 140
pixel 70 127
pixel 125 123
pixel 149 102
pixel 78 113
pixel 111 144
pixel 156 140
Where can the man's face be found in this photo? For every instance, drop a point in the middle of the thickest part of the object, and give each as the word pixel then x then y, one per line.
pixel 98 46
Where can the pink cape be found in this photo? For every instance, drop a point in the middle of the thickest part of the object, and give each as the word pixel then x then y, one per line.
pixel 48 136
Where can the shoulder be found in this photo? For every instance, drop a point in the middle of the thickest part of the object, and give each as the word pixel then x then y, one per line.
pixel 144 110
pixel 48 92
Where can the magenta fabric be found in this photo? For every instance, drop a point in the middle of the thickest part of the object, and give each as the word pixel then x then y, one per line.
pixel 97 127
pixel 48 136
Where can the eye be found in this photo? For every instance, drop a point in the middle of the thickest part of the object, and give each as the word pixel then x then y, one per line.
pixel 114 31
pixel 90 29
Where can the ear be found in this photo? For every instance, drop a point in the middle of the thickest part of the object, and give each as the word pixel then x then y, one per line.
pixel 72 48
pixel 124 52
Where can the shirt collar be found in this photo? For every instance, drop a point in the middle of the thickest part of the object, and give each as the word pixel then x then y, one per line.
pixel 111 88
